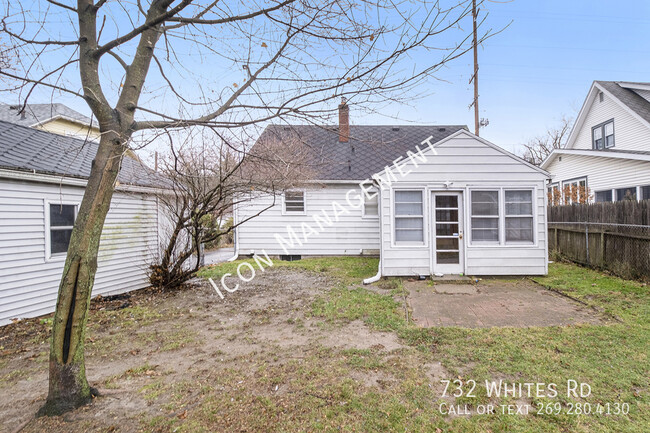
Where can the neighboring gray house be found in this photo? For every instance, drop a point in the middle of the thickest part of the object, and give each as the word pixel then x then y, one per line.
pixel 608 150
pixel 42 180
pixel 456 204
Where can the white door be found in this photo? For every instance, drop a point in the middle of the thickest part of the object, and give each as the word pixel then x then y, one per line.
pixel 447 232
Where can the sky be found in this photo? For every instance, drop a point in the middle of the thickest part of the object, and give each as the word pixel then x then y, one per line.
pixel 540 67
pixel 537 70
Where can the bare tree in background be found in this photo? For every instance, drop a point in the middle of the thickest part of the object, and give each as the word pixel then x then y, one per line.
pixel 162 64
pixel 537 149
pixel 206 180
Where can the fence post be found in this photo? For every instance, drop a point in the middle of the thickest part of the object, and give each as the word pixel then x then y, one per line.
pixel 587 240
pixel 602 246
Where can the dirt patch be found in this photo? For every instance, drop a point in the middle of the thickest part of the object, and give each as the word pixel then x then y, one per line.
pixel 518 302
pixel 145 349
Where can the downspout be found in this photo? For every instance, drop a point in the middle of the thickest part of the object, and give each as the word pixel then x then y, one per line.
pixel 234 234
pixel 381 243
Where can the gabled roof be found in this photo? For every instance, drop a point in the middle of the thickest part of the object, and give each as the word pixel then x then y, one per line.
pixel 370 148
pixel 37 114
pixel 628 97
pixel 36 151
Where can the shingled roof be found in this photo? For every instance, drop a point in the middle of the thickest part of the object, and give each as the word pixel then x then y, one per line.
pixel 35 114
pixel 369 150
pixel 37 151
pixel 629 97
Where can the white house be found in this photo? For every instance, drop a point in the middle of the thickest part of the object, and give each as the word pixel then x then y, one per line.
pixel 608 150
pixel 42 180
pixel 449 202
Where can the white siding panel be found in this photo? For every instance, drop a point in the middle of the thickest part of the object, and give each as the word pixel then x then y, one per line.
pixel 350 235
pixel 601 173
pixel 29 280
pixel 629 132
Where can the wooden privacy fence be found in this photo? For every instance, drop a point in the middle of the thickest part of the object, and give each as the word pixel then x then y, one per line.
pixel 612 236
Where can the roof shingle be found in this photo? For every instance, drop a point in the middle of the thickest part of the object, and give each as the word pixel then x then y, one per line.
pixel 630 98
pixel 370 149
pixel 34 150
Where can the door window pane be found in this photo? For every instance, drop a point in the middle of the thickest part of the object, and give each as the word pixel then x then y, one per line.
pixel 447 257
pixel 447 243
pixel 446 201
pixel 446 215
pixel 446 229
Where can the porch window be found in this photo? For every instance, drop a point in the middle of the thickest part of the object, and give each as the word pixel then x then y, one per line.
pixel 519 216
pixel 409 217
pixel 485 216
pixel 294 202
pixel 62 218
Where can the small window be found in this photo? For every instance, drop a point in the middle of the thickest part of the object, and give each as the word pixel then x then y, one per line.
pixel 485 216
pixel 371 205
pixel 519 216
pixel 628 193
pixel 554 194
pixel 604 196
pixel 645 192
pixel 603 135
pixel 409 217
pixel 601 96
pixel 62 218
pixel 294 201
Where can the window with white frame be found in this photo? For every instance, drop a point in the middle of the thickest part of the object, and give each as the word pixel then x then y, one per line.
pixel 61 221
pixel 603 196
pixel 294 201
pixel 628 193
pixel 409 217
pixel 645 192
pixel 603 135
pixel 485 216
pixel 370 204
pixel 575 191
pixel 518 216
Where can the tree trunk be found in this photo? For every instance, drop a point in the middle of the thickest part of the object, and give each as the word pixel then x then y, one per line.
pixel 68 387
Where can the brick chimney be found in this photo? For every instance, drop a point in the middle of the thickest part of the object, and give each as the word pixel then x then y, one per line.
pixel 344 121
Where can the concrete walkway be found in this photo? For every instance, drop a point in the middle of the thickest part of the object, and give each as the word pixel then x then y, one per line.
pixel 490 303
pixel 218 255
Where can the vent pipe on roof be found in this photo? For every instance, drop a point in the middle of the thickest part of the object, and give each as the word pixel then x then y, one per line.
pixel 344 121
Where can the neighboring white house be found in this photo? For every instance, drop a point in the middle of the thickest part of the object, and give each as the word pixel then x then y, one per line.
pixel 455 204
pixel 608 150
pixel 42 181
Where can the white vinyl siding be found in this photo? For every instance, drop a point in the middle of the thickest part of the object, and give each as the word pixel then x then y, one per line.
pixel 463 164
pixel 352 234
pixel 630 132
pixel 602 173
pixel 29 280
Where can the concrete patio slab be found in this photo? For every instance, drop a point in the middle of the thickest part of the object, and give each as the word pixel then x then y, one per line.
pixel 491 303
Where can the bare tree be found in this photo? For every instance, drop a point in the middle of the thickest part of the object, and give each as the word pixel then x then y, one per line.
pixel 206 180
pixel 539 148
pixel 230 65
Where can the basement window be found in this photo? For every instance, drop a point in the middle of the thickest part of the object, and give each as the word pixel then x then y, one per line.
pixel 61 220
